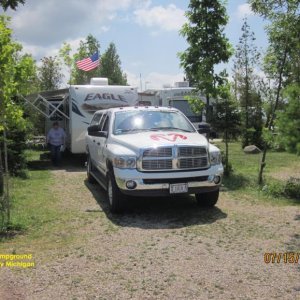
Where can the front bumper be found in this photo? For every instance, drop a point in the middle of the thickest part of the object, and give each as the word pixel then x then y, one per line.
pixel 159 185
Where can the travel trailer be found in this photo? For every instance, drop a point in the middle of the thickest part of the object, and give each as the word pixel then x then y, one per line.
pixel 73 107
pixel 174 97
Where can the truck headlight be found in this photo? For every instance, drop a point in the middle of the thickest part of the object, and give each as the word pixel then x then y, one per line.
pixel 124 162
pixel 215 158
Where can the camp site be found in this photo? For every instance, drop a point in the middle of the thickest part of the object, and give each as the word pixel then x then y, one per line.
pixel 149 149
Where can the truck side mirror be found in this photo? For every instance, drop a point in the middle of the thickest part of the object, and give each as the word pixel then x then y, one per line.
pixel 93 129
pixel 204 128
pixel 101 134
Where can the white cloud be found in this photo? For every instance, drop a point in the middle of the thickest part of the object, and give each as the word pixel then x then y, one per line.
pixel 48 22
pixel 244 10
pixel 167 18
pixel 153 80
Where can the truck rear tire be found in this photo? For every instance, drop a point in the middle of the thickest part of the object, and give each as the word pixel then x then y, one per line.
pixel 89 168
pixel 207 199
pixel 114 194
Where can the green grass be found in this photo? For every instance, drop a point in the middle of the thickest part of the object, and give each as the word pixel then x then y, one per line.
pixel 245 173
pixel 36 213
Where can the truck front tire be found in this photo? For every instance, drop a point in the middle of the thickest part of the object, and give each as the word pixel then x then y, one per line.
pixel 114 194
pixel 207 199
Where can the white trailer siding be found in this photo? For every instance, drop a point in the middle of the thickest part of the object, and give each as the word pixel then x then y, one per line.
pixel 85 100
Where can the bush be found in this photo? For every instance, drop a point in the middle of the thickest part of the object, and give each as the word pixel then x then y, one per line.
pixel 274 189
pixel 289 120
pixel 16 145
pixel 292 188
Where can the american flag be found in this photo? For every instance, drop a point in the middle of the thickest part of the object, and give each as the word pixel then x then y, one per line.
pixel 89 63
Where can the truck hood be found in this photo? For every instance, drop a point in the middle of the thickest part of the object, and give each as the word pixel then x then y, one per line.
pixel 150 139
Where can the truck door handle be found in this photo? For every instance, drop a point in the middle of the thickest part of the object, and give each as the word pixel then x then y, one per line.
pixel 94 141
pixel 98 144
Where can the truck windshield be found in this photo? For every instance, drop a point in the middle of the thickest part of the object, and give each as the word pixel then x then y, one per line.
pixel 149 120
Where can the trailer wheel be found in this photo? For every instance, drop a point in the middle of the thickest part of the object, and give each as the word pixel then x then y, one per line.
pixel 114 194
pixel 90 168
pixel 207 199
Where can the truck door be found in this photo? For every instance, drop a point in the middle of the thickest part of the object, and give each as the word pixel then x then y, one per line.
pixel 91 140
pixel 101 144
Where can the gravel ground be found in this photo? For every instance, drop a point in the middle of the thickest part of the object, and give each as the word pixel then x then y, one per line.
pixel 160 249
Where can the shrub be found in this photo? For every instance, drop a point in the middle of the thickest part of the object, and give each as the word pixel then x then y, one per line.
pixel 274 189
pixel 292 188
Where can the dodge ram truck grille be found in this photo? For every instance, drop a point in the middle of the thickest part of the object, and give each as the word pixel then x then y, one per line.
pixel 195 162
pixel 176 158
pixel 158 152
pixel 157 164
pixel 191 151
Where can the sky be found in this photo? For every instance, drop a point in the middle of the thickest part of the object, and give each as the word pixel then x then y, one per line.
pixel 146 32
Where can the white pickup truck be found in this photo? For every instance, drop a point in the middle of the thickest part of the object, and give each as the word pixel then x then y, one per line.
pixel 151 151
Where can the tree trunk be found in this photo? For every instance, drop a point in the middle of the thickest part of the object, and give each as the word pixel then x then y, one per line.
pixel 6 188
pixel 1 173
pixel 246 103
pixel 226 154
pixel 208 117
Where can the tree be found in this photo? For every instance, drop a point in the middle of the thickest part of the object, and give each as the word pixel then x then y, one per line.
pixel 289 120
pixel 246 58
pixel 86 49
pixel 50 75
pixel 208 46
pixel 110 66
pixel 13 4
pixel 12 67
pixel 65 56
pixel 226 119
pixel 281 57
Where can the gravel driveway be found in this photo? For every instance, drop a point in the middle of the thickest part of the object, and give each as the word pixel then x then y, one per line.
pixel 159 249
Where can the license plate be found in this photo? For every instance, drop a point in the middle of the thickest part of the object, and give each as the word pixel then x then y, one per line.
pixel 178 188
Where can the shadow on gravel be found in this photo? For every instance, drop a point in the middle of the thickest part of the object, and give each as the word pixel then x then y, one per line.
pixel 70 163
pixel 157 213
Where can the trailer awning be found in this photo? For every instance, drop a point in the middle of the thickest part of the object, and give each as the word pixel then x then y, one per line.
pixel 42 102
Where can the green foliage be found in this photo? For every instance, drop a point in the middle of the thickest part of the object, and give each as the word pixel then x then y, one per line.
pixel 50 75
pixel 16 139
pixel 289 120
pixel 10 113
pixel 110 66
pixel 283 34
pixel 289 189
pixel 13 4
pixel 226 120
pixel 208 45
pixel 274 188
pixel 15 70
pixel 226 117
pixel 65 54
pixel 246 59
pixel 195 102
pixel 292 188
pixel 281 61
